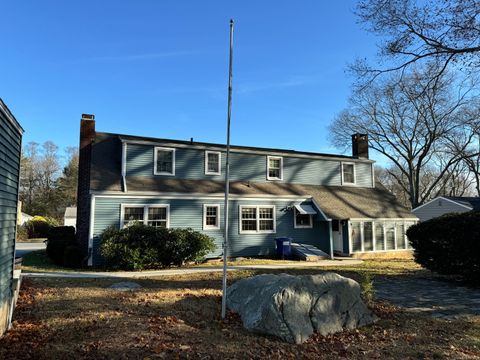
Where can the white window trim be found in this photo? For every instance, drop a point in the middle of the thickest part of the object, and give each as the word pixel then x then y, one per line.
pixel 240 231
pixel 219 163
pixel 295 226
pixel 281 168
pixel 354 174
pixel 155 155
pixel 211 227
pixel 145 212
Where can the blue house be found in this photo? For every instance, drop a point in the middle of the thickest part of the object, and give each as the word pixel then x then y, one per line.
pixel 329 201
pixel 10 149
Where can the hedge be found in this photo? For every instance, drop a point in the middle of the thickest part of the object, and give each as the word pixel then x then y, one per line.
pixel 140 247
pixel 62 247
pixel 449 245
pixel 39 226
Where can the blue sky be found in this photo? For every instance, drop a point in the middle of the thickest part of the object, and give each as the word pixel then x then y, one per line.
pixel 160 68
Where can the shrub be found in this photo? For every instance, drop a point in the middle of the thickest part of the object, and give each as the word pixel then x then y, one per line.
pixel 22 233
pixel 37 227
pixel 59 238
pixel 139 247
pixel 449 245
pixel 367 288
pixel 72 256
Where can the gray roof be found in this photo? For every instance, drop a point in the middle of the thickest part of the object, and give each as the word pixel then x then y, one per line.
pixel 473 202
pixel 337 202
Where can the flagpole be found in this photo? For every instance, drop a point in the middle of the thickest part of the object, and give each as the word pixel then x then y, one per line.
pixel 227 180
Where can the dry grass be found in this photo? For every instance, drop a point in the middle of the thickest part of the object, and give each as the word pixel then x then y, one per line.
pixel 178 317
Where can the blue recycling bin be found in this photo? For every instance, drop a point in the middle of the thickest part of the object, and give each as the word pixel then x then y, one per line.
pixel 283 247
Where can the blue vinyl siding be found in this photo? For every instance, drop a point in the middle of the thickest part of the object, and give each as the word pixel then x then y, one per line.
pixel 10 149
pixel 190 164
pixel 189 213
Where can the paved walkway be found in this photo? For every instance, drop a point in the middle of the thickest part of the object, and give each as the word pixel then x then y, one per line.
pixel 437 298
pixel 182 271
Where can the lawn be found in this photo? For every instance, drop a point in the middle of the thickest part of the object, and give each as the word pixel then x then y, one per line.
pixel 179 317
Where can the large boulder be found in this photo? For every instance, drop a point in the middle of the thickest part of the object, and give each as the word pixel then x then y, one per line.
pixel 294 307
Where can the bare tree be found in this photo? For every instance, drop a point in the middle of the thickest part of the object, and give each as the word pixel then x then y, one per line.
pixel 417 125
pixel 444 32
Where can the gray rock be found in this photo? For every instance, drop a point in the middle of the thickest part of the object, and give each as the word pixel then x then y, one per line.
pixel 294 307
pixel 126 286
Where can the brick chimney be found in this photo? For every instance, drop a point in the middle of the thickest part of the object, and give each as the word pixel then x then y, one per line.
pixel 360 146
pixel 87 136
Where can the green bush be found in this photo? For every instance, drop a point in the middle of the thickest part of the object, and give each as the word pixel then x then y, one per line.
pixel 59 238
pixel 140 247
pixel 39 226
pixel 449 245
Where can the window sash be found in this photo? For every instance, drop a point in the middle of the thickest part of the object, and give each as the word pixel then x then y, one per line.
pixel 348 173
pixel 152 215
pixel 302 220
pixel 274 168
pixel 257 219
pixel 211 216
pixel 164 161
pixel 133 214
pixel 212 163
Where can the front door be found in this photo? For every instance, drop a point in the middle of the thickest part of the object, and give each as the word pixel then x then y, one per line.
pixel 337 236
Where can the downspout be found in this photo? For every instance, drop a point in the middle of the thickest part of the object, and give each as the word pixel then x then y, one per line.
pixel 124 166
pixel 330 235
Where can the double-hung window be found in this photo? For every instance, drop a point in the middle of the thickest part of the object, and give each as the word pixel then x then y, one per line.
pixel 212 162
pixel 164 161
pixel 211 217
pixel 257 219
pixel 157 216
pixel 132 214
pixel 274 168
pixel 152 215
pixel 348 173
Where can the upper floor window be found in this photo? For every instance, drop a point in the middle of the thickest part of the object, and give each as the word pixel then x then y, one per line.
pixel 153 215
pixel 348 173
pixel 164 161
pixel 257 219
pixel 212 162
pixel 211 217
pixel 274 168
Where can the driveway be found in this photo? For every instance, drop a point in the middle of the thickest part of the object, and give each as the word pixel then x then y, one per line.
pixel 23 248
pixel 435 297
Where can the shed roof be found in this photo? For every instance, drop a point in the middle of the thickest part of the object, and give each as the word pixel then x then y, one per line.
pixel 473 202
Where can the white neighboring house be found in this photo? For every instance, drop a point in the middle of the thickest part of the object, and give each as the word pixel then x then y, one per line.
pixel 70 217
pixel 23 218
pixel 446 204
